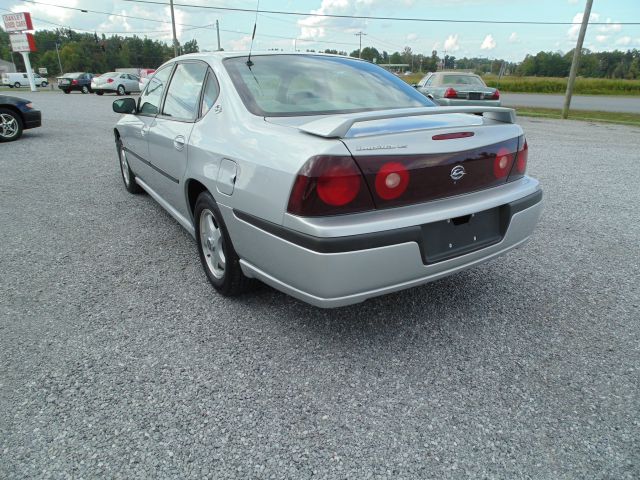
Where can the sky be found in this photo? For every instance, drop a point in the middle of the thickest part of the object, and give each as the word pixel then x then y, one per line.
pixel 511 42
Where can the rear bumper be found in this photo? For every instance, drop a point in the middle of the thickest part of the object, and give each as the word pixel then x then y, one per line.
pixel 32 119
pixel 103 88
pixel 338 271
pixel 452 102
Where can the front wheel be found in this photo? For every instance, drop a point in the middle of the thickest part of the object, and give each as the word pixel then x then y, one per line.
pixel 17 85
pixel 99 93
pixel 44 84
pixel 121 90
pixel 128 176
pixel 67 91
pixel 217 255
pixel 10 125
pixel 85 89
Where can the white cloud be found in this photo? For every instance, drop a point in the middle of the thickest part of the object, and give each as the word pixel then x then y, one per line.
pixel 513 38
pixel 624 41
pixel 610 27
pixel 451 43
pixel 573 31
pixel 412 37
pixel 242 43
pixel 601 38
pixel 572 2
pixel 488 43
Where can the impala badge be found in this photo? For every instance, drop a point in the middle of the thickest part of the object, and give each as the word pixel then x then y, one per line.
pixel 457 173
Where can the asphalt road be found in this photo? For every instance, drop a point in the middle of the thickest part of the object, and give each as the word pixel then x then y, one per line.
pixel 117 360
pixel 603 103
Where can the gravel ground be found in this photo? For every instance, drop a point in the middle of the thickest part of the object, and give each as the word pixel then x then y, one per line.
pixel 118 360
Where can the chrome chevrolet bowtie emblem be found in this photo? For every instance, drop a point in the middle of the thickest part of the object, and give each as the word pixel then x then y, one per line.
pixel 457 173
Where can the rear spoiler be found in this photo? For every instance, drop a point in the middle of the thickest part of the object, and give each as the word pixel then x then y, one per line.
pixel 337 126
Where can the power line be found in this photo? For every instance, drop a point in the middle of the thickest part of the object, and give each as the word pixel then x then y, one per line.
pixel 371 17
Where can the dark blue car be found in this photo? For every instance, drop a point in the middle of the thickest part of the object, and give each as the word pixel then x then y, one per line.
pixel 16 115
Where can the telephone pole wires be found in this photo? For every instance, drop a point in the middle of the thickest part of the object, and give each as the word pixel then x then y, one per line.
pixel 576 59
pixel 360 34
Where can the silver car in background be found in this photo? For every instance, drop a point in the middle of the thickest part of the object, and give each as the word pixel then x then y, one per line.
pixel 326 177
pixel 115 82
pixel 458 88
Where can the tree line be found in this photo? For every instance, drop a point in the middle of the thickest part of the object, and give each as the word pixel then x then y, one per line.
pixel 93 53
pixel 88 52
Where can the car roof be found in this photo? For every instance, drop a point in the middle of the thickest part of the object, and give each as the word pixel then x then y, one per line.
pixel 223 55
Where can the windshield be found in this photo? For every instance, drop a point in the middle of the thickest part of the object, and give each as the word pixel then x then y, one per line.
pixel 287 85
pixel 461 80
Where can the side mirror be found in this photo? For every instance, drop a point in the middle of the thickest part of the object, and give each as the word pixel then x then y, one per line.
pixel 124 105
pixel 414 85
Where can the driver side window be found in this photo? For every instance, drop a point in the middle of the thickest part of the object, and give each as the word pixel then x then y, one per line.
pixel 152 95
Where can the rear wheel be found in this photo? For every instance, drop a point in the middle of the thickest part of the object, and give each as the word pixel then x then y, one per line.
pixel 99 93
pixel 44 84
pixel 128 176
pixel 66 90
pixel 17 85
pixel 10 125
pixel 121 90
pixel 217 255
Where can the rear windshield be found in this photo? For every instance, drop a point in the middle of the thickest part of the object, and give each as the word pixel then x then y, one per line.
pixel 72 75
pixel 461 80
pixel 110 74
pixel 288 85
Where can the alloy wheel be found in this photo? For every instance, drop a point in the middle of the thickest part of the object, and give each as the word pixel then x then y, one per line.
pixel 124 165
pixel 212 244
pixel 8 126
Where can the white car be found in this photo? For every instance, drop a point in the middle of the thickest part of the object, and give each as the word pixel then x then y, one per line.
pixel 115 82
pixel 326 177
pixel 17 80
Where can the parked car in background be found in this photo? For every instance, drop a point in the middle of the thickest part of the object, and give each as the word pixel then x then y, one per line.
pixel 326 177
pixel 145 75
pixel 75 81
pixel 454 88
pixel 116 82
pixel 18 80
pixel 16 115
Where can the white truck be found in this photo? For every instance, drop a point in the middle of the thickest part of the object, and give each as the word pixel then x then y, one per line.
pixel 17 80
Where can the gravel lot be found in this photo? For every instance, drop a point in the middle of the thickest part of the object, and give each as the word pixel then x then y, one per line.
pixel 118 360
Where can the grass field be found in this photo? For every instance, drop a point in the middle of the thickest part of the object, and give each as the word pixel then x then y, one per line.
pixel 585 115
pixel 583 86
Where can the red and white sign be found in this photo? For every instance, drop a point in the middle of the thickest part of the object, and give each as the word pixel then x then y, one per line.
pixel 22 42
pixel 17 22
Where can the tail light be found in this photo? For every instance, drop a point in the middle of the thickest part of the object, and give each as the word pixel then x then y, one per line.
pixel 392 180
pixel 522 156
pixel 110 80
pixel 503 163
pixel 496 95
pixel 450 93
pixel 329 185
pixel 74 82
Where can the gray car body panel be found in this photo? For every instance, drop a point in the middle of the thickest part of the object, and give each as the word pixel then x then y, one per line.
pixel 264 156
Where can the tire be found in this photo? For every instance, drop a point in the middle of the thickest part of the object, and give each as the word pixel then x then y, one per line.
pixel 121 90
pixel 128 177
pixel 44 84
pixel 217 255
pixel 85 90
pixel 67 91
pixel 99 93
pixel 10 125
pixel 17 85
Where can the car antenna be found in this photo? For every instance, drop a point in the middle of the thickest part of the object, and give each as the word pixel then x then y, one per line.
pixel 255 24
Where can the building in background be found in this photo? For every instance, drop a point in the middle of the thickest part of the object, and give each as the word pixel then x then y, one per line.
pixel 6 67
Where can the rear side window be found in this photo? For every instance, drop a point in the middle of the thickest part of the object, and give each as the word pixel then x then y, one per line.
pixel 150 98
pixel 211 91
pixel 183 94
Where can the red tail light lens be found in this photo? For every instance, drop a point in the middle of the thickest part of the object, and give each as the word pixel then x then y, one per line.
pixel 502 163
pixel 522 156
pixel 74 82
pixel 450 93
pixel 392 180
pixel 328 185
pixel 496 95
pixel 110 80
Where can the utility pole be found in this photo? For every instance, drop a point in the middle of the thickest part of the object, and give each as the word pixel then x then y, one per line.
pixel 360 34
pixel 218 30
pixel 173 25
pixel 576 59
pixel 59 62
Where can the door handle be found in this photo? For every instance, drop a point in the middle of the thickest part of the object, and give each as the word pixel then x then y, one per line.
pixel 178 142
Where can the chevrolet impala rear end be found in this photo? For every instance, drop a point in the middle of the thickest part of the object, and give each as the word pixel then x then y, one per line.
pixel 333 181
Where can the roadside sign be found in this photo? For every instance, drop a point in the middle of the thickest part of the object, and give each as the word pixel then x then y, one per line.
pixel 17 22
pixel 42 71
pixel 22 42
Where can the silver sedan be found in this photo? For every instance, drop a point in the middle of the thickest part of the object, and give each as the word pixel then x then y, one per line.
pixel 326 177
pixel 115 82
pixel 458 88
